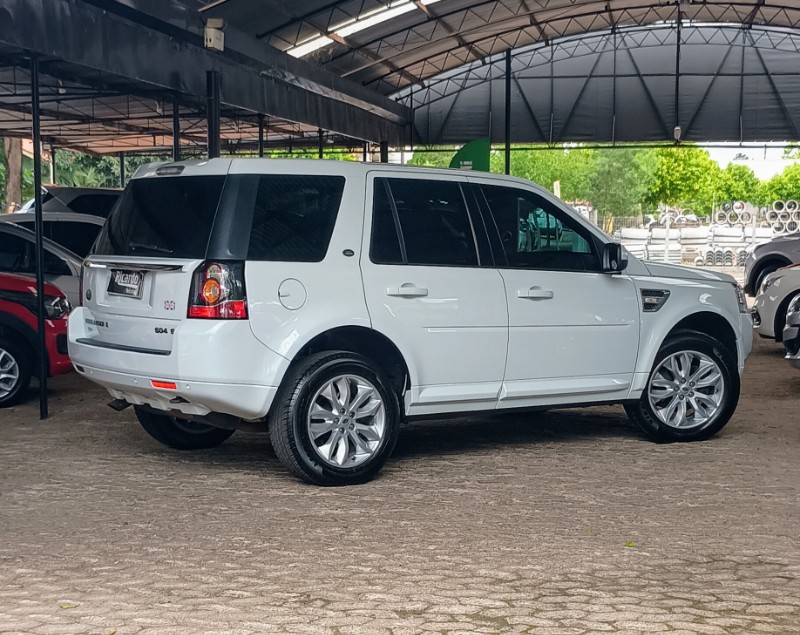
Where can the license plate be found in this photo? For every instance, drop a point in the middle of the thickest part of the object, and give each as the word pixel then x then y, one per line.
pixel 126 283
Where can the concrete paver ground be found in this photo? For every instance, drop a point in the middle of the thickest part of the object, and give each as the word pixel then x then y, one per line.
pixel 565 522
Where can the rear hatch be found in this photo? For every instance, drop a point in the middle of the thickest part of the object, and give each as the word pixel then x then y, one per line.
pixel 137 280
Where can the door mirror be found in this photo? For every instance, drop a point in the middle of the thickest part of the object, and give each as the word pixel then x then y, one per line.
pixel 615 258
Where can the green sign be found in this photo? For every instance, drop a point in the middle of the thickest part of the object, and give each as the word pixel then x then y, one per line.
pixel 473 156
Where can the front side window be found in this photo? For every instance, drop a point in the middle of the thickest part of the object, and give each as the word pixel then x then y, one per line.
pixel 421 222
pixel 536 234
pixel 17 255
pixel 294 217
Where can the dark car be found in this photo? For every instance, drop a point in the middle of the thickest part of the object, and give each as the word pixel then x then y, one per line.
pixel 96 201
pixel 18 334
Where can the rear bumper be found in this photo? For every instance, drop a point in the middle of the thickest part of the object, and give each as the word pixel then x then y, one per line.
pixel 189 397
pixel 744 344
pixel 217 366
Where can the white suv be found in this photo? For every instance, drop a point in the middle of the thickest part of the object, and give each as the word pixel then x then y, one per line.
pixel 335 300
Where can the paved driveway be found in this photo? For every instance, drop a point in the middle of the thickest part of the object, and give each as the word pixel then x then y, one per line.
pixel 567 522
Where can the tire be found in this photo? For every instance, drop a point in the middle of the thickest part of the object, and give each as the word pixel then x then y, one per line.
pixel 16 366
pixel 652 415
pixel 181 434
pixel 357 450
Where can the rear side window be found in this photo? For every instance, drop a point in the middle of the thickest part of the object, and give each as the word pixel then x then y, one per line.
pixel 168 216
pixel 16 254
pixel 294 217
pixel 75 236
pixel 434 224
pixel 94 204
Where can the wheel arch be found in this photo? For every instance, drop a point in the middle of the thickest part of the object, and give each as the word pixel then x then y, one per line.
pixel 365 341
pixel 780 314
pixel 708 323
pixel 770 259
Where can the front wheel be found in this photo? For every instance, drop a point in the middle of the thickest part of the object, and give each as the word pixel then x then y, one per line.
pixel 15 372
pixel 692 391
pixel 179 433
pixel 335 420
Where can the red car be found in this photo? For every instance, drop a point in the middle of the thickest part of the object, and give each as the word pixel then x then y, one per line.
pixel 18 334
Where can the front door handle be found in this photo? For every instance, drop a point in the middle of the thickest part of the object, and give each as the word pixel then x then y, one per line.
pixel 535 293
pixel 407 290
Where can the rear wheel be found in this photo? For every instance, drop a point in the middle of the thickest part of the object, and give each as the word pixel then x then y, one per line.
pixel 335 420
pixel 692 391
pixel 179 433
pixel 15 372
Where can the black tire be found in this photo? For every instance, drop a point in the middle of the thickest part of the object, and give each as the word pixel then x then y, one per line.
pixel 288 428
pixel 643 414
pixel 181 434
pixel 18 360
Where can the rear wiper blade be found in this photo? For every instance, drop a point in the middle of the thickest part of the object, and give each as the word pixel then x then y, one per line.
pixel 162 250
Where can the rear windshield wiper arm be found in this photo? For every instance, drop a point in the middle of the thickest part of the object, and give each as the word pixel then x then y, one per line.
pixel 162 250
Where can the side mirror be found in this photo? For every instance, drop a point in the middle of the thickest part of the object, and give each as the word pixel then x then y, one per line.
pixel 615 258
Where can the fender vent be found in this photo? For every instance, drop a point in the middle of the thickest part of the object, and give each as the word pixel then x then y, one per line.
pixel 653 299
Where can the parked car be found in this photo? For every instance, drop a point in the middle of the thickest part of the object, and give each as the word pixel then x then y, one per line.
pixel 764 258
pixel 791 332
pixel 18 334
pixel 776 293
pixel 75 232
pixel 18 255
pixel 97 201
pixel 333 300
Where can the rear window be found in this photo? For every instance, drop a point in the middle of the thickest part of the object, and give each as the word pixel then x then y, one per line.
pixel 94 204
pixel 294 217
pixel 168 216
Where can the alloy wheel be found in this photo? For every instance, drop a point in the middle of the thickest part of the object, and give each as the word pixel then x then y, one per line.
pixel 686 390
pixel 346 421
pixel 9 373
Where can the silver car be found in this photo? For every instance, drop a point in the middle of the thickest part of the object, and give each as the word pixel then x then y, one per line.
pixel 75 232
pixel 777 291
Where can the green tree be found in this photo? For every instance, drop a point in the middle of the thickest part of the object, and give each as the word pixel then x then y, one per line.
pixel 439 158
pixel 621 180
pixel 783 186
pixel 572 167
pixel 684 176
pixel 735 183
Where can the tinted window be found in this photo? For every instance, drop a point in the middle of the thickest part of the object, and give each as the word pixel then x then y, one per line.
pixel 16 254
pixel 167 216
pixel 76 236
pixel 294 217
pixel 385 244
pixel 95 204
pixel 536 234
pixel 434 222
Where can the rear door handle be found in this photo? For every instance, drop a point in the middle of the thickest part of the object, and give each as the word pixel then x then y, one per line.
pixel 535 293
pixel 407 290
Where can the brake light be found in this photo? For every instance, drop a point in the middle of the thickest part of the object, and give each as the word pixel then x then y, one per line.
pixel 218 292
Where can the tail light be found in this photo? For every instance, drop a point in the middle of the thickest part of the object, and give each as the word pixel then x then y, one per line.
pixel 218 292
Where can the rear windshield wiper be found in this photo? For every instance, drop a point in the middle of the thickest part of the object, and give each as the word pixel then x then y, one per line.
pixel 156 248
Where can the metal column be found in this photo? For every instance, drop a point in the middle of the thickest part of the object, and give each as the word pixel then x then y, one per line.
pixel 507 122
pixel 365 151
pixel 384 152
pixel 321 135
pixel 122 169
pixel 37 194
pixel 260 135
pixel 213 113
pixel 52 165
pixel 176 128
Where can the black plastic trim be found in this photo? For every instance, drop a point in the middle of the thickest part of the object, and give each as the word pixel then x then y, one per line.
pixel 121 347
